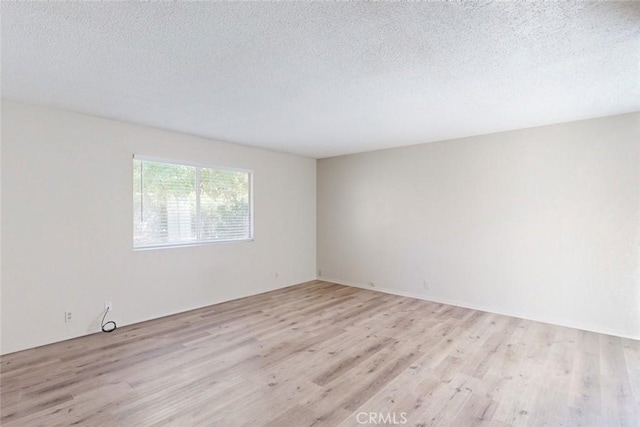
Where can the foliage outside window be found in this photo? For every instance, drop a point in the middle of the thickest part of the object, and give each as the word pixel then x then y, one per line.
pixel 177 204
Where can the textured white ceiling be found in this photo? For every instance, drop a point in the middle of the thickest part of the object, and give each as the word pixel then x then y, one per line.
pixel 323 79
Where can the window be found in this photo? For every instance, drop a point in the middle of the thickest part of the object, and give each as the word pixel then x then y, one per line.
pixel 177 204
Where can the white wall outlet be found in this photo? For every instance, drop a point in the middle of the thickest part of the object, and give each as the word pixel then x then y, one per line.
pixel 319 273
pixel 277 275
pixel 108 306
pixel 426 285
pixel 373 285
pixel 68 316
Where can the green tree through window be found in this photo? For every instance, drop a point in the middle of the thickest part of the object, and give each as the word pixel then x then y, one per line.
pixel 177 204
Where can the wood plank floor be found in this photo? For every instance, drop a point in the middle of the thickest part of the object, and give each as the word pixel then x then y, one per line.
pixel 320 354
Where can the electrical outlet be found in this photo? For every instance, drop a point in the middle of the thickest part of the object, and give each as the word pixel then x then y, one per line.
pixel 373 285
pixel 107 306
pixel 319 273
pixel 68 316
pixel 277 275
pixel 426 284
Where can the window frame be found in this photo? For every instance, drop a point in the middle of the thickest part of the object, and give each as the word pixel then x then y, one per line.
pixel 249 172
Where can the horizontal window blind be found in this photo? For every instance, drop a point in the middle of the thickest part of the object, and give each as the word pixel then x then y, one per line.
pixel 177 204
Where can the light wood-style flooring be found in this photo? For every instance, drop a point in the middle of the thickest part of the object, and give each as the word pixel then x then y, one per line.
pixel 320 354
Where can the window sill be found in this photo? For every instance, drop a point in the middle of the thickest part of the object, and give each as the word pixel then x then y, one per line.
pixel 183 245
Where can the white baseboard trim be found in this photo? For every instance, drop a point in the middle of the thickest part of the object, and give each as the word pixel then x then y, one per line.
pixel 598 330
pixel 22 346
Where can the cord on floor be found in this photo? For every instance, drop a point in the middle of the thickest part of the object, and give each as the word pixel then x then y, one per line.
pixel 105 326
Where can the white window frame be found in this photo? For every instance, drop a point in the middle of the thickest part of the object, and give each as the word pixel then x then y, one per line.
pixel 198 242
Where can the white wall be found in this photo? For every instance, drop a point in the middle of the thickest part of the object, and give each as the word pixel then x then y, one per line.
pixel 541 223
pixel 67 226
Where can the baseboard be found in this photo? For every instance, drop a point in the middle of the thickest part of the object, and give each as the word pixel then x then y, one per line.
pixel 540 319
pixel 135 321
